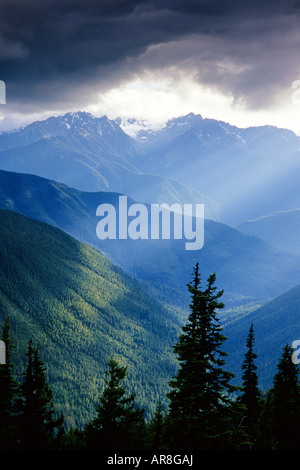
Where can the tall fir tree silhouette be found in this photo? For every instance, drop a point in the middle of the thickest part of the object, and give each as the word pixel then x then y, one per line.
pixel 250 397
pixel 201 389
pixel 38 425
pixel 119 423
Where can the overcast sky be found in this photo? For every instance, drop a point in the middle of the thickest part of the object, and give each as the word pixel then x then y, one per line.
pixel 157 59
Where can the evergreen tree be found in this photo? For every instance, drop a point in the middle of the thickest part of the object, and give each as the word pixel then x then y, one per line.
pixel 201 389
pixel 38 427
pixel 119 424
pixel 8 393
pixel 250 396
pixel 157 429
pixel 265 439
pixel 73 439
pixel 285 402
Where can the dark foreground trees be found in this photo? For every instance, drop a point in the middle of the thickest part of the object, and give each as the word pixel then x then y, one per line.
pixel 8 392
pixel 282 410
pixel 27 411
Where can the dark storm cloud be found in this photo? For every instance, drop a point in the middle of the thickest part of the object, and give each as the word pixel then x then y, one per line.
pixel 52 51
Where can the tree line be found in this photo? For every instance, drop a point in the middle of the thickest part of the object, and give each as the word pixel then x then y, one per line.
pixel 205 411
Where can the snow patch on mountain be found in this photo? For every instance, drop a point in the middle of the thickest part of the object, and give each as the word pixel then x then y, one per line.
pixel 136 128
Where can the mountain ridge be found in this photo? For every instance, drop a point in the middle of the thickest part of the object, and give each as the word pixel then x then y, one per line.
pixel 279 229
pixel 86 159
pixel 189 157
pixel 246 266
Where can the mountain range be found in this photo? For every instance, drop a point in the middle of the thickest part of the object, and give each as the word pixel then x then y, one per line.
pixel 53 176
pixel 237 173
pixel 92 154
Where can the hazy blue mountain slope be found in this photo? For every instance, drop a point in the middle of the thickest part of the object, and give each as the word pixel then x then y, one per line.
pixel 276 324
pixel 277 193
pixel 67 160
pixel 247 268
pixel 281 230
pixel 218 159
pixel 153 189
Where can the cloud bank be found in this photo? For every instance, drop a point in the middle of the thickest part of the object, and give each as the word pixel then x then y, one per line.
pixel 65 54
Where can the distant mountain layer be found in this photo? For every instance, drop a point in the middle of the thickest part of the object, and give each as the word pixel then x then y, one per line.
pixel 280 230
pixel 80 310
pixel 93 154
pixel 276 324
pixel 246 267
pixel 223 161
pixel 278 192
pixel 237 173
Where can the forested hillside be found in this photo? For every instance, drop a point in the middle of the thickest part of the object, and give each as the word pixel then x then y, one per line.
pixel 276 324
pixel 81 309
